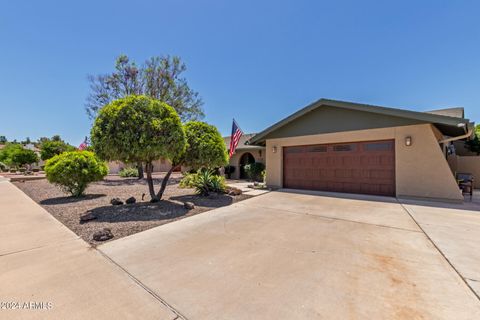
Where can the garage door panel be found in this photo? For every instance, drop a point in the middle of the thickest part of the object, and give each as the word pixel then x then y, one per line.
pixel 361 167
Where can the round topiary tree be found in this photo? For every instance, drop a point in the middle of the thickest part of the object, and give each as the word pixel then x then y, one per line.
pixel 139 129
pixel 205 146
pixel 205 150
pixel 74 170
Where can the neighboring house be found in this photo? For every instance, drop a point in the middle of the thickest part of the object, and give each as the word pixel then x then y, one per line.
pixel 161 165
pixel 356 148
pixel 244 154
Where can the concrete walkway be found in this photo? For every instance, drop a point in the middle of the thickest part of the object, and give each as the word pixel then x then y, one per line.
pixel 47 272
pixel 455 231
pixel 288 255
pixel 244 186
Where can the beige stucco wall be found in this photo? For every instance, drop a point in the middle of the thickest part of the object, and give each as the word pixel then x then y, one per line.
pixel 421 169
pixel 258 154
pixel 158 166
pixel 467 164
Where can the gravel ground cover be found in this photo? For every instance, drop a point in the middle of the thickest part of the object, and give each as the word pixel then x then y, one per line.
pixel 125 219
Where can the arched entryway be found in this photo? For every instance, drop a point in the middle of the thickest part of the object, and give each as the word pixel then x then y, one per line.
pixel 245 159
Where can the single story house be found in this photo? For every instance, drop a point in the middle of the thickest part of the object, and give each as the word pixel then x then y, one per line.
pixel 357 148
pixel 244 154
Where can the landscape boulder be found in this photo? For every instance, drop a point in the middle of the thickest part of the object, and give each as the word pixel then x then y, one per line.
pixel 189 205
pixel 116 202
pixel 234 192
pixel 87 217
pixel 131 200
pixel 103 235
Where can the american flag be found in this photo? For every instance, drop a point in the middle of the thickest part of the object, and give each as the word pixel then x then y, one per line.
pixel 84 144
pixel 235 138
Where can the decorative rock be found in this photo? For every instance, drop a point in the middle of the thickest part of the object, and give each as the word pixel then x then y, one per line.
pixel 103 235
pixel 130 200
pixel 87 217
pixel 116 202
pixel 189 205
pixel 234 192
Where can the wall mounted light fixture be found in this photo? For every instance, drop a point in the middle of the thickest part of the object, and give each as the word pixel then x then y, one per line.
pixel 408 141
pixel 274 149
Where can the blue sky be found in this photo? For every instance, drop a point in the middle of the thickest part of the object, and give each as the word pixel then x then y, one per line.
pixel 257 61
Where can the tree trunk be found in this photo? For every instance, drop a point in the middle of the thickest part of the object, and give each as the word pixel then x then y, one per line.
pixel 165 181
pixel 148 168
pixel 140 170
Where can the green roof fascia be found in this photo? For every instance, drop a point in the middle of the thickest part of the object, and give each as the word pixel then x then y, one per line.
pixel 416 115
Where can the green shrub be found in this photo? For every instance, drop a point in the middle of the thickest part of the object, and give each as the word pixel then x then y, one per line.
pixel 205 181
pixel 13 154
pixel 74 170
pixel 217 184
pixel 128 172
pixel 188 180
pixel 50 148
pixel 8 151
pixel 23 157
pixel 3 166
pixel 254 170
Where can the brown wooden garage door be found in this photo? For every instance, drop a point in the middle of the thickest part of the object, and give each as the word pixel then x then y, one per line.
pixel 357 167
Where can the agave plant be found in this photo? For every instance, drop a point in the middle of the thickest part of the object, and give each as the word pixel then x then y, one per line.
pixel 206 181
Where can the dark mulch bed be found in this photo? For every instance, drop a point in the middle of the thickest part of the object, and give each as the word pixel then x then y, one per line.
pixel 123 220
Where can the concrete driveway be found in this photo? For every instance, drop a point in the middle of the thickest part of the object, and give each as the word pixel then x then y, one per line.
pixel 287 255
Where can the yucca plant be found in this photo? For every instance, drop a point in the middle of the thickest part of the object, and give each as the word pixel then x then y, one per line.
pixel 203 182
pixel 206 181
pixel 218 184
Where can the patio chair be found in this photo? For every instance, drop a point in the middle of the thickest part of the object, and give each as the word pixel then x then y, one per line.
pixel 465 183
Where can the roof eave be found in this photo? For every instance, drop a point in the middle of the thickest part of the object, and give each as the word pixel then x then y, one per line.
pixel 259 139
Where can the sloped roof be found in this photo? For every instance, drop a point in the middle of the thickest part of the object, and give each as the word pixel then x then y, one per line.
pixel 449 125
pixel 457 112
pixel 241 144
